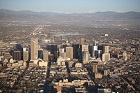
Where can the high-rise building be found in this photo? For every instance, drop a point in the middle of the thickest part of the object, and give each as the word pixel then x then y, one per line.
pixel 53 50
pixel 106 57
pixel 25 56
pixel 125 56
pixel 84 47
pixel 106 54
pixel 95 68
pixel 7 56
pixel 61 50
pixel 50 58
pixel 81 50
pixel 34 48
pixel 99 53
pixel 90 49
pixel 82 41
pixel 69 52
pixel 40 53
pixel 100 47
pixel 19 48
pixel 17 55
pixel 62 53
pixel 94 53
pixel 85 57
pixel 75 51
pixel 106 49
pixel 45 55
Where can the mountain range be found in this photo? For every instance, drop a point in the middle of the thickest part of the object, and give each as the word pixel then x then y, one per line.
pixel 26 15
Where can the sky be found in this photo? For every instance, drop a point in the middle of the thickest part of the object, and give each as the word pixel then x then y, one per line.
pixel 71 6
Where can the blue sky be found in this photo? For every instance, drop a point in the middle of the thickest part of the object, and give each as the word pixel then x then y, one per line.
pixel 71 6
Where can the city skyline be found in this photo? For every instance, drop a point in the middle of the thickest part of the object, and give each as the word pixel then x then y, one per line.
pixel 69 46
pixel 71 6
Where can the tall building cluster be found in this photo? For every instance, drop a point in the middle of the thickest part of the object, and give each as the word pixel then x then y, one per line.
pixel 66 64
pixel 82 52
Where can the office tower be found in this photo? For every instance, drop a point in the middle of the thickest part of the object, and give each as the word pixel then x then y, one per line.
pixel 101 47
pixel 62 53
pixel 40 53
pixel 82 41
pixel 106 72
pixel 106 49
pixel 75 51
pixel 34 48
pixel 85 57
pixel 106 54
pixel 50 58
pixel 69 52
pixel 7 56
pixel 106 57
pixel 95 68
pixel 125 56
pixel 81 50
pixel 17 55
pixel 25 54
pixel 84 47
pixel 18 47
pixel 53 50
pixel 90 49
pixel 96 54
pixel 94 51
pixel 99 53
pixel 45 55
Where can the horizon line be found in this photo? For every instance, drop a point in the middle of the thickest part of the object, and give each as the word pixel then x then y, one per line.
pixel 84 12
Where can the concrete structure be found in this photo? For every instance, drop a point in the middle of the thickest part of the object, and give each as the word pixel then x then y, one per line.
pixel 34 48
pixel 69 52
pixel 95 68
pixel 82 41
pixel 17 55
pixel 106 57
pixel 85 57
pixel 25 55
pixel 106 54
pixel 45 55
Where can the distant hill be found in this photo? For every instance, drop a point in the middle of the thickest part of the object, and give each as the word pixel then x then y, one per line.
pixel 73 18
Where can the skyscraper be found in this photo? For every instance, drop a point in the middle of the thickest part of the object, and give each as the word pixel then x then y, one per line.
pixel 95 68
pixel 45 55
pixel 106 54
pixel 17 55
pixel 40 53
pixel 7 56
pixel 53 49
pixel 19 48
pixel 125 55
pixel 106 57
pixel 81 50
pixel 75 51
pixel 95 50
pixel 85 57
pixel 34 48
pixel 106 49
pixel 82 41
pixel 69 52
pixel 25 55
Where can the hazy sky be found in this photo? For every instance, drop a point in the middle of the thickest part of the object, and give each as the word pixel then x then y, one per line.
pixel 71 6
